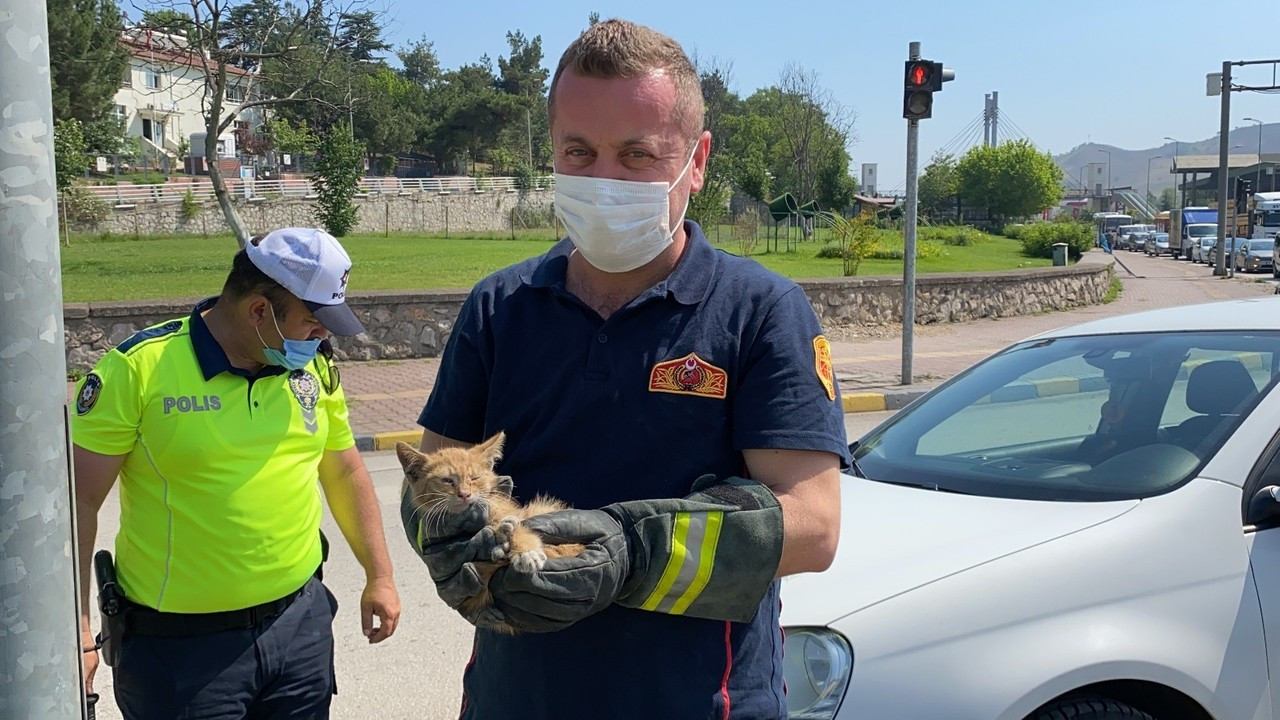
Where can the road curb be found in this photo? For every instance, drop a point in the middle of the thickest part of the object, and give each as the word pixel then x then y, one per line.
pixel 388 440
pixel 853 403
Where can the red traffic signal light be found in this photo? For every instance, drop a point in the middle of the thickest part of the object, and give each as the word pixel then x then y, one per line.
pixel 923 78
pixel 919 74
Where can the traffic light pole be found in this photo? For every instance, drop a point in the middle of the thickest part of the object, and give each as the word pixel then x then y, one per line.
pixel 1220 266
pixel 39 620
pixel 909 243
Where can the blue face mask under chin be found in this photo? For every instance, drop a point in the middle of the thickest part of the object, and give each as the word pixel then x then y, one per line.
pixel 297 353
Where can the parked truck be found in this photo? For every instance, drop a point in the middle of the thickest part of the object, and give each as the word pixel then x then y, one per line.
pixel 1266 215
pixel 1186 229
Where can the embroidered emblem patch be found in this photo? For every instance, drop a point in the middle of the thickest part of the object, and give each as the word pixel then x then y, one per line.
pixel 822 365
pixel 306 389
pixel 689 375
pixel 89 392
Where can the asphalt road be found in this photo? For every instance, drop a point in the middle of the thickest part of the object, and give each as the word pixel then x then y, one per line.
pixel 417 672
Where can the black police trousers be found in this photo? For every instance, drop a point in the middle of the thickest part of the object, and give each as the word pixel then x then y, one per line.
pixel 280 668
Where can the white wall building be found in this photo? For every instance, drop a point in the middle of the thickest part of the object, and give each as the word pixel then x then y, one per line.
pixel 161 95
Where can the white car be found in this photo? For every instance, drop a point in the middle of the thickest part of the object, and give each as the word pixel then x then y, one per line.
pixel 1085 525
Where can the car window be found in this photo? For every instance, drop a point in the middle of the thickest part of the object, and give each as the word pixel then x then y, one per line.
pixel 1271 474
pixel 1072 390
pixel 1079 418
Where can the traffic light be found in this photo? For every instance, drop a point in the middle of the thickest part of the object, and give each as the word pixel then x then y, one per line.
pixel 1244 188
pixel 923 79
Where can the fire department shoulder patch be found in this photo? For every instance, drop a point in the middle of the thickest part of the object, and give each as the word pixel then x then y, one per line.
pixel 689 375
pixel 822 365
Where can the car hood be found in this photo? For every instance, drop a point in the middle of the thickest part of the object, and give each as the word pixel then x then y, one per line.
pixel 894 539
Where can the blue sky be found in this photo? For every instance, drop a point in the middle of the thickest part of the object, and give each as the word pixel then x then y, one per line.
pixel 1124 72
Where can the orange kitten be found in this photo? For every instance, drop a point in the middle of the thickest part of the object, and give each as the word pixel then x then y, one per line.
pixel 449 480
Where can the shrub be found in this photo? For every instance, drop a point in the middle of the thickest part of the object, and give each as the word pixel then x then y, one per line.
pixel 148 179
pixel 1013 230
pixel 958 236
pixel 925 249
pixel 856 238
pixel 190 207
pixel 1038 239
pixel 83 209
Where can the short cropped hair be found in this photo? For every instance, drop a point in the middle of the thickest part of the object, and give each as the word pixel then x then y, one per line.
pixel 246 279
pixel 622 49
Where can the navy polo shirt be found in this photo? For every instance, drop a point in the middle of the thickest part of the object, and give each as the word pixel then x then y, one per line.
pixel 720 357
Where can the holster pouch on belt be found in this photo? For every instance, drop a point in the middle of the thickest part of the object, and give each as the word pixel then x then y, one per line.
pixel 112 606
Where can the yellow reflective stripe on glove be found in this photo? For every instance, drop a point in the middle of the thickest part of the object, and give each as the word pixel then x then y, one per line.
pixel 694 538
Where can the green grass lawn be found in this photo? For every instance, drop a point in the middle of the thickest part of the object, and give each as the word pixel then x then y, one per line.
pixel 124 268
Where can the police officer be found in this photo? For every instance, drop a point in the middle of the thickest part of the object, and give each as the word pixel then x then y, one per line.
pixel 218 425
pixel 681 398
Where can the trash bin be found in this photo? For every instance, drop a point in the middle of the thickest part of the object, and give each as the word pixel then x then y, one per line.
pixel 1059 253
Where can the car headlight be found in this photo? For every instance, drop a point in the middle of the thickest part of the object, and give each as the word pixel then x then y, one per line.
pixel 817 663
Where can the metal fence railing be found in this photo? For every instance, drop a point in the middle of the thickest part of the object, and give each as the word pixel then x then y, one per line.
pixel 202 190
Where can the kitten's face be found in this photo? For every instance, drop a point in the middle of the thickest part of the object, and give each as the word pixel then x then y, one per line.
pixel 448 480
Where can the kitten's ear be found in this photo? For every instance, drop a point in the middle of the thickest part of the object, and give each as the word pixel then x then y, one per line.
pixel 491 449
pixel 410 459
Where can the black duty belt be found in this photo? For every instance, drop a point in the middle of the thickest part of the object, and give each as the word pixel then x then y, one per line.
pixel 143 620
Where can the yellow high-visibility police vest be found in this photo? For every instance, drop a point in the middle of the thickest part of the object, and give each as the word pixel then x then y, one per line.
pixel 219 500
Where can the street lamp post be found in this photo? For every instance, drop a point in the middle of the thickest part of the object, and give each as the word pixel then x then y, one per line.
pixel 1257 177
pixel 1153 157
pixel 1176 192
pixel 1109 201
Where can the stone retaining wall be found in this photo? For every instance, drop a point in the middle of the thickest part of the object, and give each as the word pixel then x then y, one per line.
pixel 488 211
pixel 417 324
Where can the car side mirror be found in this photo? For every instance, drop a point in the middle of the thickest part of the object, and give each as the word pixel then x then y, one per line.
pixel 1264 506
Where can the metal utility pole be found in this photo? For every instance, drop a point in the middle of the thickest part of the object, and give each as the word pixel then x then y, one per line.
pixel 39 619
pixel 923 79
pixel 909 240
pixel 1220 265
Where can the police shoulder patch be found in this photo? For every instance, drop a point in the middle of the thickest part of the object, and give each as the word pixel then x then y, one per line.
pixel 822 365
pixel 149 334
pixel 89 392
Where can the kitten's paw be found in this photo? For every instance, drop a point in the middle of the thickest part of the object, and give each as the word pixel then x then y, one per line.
pixel 502 536
pixel 529 562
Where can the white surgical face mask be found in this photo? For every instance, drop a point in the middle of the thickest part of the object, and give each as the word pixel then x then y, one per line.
pixel 618 225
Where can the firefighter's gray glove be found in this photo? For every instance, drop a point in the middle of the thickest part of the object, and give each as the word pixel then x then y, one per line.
pixel 712 554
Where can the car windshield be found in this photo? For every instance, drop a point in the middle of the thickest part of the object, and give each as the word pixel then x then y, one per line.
pixel 1090 418
pixel 1269 218
pixel 1202 230
pixel 1161 237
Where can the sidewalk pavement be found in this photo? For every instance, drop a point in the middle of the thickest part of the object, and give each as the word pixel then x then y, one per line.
pixel 386 397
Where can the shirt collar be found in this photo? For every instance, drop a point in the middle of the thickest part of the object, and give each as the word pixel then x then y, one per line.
pixel 688 283
pixel 210 355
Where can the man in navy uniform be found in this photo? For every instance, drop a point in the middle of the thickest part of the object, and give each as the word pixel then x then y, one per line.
pixel 681 398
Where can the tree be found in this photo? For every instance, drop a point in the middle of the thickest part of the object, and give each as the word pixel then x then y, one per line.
pixel 86 59
pixel 287 138
pixel 836 187
pixel 522 78
pixel 388 112
pixel 338 169
pixel 278 54
pixel 1013 179
pixel 69 152
pixel 710 205
pixel 421 66
pixel 939 184
pixel 1168 199
pixel 469 113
